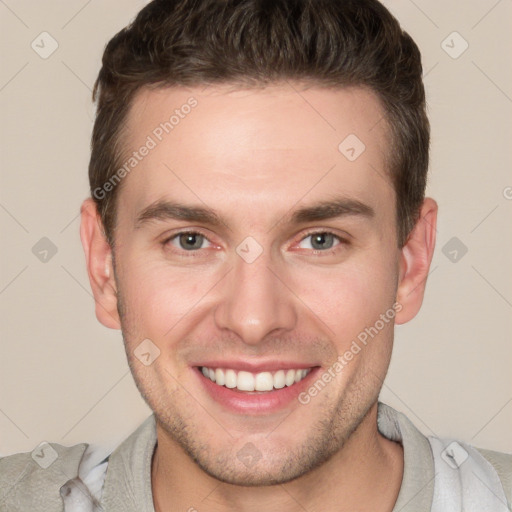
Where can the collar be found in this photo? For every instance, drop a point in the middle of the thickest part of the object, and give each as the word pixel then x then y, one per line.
pixel 128 481
pixel 417 489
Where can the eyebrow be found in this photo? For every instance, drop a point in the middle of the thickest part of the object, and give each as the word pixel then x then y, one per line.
pixel 332 209
pixel 324 210
pixel 164 210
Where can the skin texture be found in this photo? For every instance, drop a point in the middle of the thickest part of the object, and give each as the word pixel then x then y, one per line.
pixel 255 156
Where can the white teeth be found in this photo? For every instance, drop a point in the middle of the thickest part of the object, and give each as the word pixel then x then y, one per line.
pixel 264 382
pixel 220 377
pixel 247 381
pixel 279 379
pixel 290 377
pixel 230 378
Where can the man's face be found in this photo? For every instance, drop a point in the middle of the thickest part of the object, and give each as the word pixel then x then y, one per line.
pixel 254 286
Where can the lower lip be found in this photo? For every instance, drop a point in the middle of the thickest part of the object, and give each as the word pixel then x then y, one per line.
pixel 256 402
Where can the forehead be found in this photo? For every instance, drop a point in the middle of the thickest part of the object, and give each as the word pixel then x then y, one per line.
pixel 261 148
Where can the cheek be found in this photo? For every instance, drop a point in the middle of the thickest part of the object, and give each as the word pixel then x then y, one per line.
pixel 156 297
pixel 349 297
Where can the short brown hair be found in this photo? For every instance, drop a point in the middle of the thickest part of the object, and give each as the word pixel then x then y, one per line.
pixel 335 43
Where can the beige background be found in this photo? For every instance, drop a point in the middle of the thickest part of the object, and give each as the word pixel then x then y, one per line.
pixel 64 377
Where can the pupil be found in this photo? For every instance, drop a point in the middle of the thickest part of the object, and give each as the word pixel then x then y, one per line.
pixel 191 241
pixel 322 241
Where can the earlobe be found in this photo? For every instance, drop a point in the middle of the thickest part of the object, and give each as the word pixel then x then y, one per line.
pixel 98 258
pixel 415 259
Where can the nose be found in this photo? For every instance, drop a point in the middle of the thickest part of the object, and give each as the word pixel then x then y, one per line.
pixel 254 302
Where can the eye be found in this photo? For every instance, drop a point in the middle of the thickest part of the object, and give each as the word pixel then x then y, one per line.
pixel 320 241
pixel 188 241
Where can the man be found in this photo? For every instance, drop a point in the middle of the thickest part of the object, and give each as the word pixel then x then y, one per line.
pixel 256 229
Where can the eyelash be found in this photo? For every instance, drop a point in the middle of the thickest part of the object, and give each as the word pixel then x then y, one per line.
pixel 182 252
pixel 317 252
pixel 333 250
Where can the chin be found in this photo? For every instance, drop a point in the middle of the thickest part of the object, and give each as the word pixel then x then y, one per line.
pixel 252 477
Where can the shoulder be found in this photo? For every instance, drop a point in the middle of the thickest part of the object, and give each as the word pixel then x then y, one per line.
pixel 502 463
pixel 32 480
pixel 466 474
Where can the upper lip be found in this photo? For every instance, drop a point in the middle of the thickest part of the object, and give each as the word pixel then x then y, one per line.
pixel 257 366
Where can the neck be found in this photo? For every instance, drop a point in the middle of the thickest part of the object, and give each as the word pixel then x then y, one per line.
pixel 365 474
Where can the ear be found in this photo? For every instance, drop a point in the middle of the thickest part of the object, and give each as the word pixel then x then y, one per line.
pixel 98 258
pixel 415 258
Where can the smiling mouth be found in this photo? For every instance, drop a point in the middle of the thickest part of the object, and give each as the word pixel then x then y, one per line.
pixel 259 382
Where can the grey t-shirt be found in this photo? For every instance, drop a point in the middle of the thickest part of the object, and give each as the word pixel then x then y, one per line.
pixel 128 482
pixel 25 486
